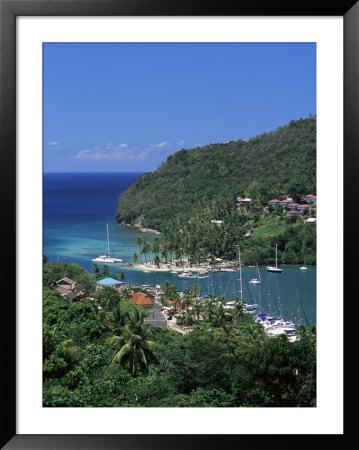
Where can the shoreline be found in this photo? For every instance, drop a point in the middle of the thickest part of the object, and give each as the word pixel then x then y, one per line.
pixel 137 227
pixel 164 268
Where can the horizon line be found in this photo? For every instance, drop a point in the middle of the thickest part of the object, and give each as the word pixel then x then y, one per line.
pixel 92 171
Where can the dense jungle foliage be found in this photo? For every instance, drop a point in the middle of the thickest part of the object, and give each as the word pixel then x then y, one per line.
pixel 201 240
pixel 99 352
pixel 267 166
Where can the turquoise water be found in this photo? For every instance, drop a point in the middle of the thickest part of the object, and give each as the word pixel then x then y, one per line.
pixel 76 209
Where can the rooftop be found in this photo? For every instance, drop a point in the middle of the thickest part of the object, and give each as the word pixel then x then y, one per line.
pixel 139 298
pixel 67 280
pixel 108 282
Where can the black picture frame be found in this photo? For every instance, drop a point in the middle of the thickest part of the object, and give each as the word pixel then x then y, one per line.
pixel 9 10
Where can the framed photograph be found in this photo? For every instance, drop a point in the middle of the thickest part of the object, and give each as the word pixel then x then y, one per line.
pixel 93 92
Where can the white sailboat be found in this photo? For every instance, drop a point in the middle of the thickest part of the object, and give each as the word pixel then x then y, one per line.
pixel 251 309
pixel 256 280
pixel 275 269
pixel 107 258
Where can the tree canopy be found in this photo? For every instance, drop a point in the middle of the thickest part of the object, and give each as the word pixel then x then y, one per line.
pixel 266 166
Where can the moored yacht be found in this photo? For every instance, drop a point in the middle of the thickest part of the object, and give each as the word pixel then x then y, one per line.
pixel 256 280
pixel 107 258
pixel 187 275
pixel 276 268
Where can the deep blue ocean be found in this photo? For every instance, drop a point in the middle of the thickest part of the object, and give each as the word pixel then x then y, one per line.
pixel 76 209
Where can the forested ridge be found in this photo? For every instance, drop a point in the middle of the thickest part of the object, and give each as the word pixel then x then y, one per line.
pixel 267 166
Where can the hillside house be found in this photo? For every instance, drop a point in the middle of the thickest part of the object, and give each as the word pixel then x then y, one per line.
pixel 243 201
pixel 64 288
pixel 292 205
pixel 293 213
pixel 273 202
pixel 66 283
pixel 284 203
pixel 141 299
pixel 310 198
pixel 111 282
pixel 303 208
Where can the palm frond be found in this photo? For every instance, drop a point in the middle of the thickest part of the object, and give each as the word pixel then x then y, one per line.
pixel 124 350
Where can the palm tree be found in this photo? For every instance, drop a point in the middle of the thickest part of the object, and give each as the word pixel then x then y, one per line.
pixel 238 312
pixel 218 318
pixel 136 350
pixel 135 258
pixel 187 297
pixel 126 293
pixel 145 248
pixel 122 275
pixel 139 243
pixel 171 292
pixel 197 309
pixel 188 318
pixel 155 247
pixel 105 269
pixel 164 255
pixel 157 261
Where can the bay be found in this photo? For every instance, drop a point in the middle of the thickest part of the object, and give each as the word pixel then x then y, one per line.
pixel 76 209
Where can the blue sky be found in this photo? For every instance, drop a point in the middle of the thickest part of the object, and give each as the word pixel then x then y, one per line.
pixel 126 107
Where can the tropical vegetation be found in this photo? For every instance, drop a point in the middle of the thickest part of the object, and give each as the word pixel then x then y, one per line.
pixel 266 166
pixel 192 199
pixel 99 351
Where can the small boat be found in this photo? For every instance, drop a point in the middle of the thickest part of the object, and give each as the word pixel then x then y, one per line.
pixel 256 280
pixel 146 271
pixel 103 259
pixel 187 275
pixel 275 269
pixel 249 307
pixel 107 258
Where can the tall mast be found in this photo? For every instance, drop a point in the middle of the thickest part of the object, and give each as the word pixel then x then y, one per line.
pixel 276 255
pixel 240 272
pixel 108 241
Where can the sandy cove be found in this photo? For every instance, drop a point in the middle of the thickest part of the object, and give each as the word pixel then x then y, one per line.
pixel 164 268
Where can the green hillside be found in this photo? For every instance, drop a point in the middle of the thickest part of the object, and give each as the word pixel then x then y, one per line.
pixel 267 166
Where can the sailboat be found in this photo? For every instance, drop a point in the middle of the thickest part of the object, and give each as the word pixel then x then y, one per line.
pixel 251 309
pixel 256 280
pixel 107 258
pixel 276 268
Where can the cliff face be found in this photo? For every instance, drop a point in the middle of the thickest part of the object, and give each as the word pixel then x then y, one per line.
pixel 266 166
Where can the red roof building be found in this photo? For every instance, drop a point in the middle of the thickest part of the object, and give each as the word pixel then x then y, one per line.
pixel 311 198
pixel 293 212
pixel 141 299
pixel 302 207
